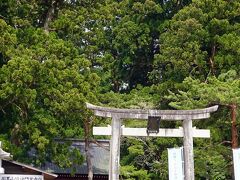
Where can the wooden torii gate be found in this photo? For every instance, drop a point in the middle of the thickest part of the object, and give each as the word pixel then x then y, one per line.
pixel 187 132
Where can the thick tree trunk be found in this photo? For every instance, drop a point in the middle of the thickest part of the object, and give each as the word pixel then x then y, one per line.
pixel 49 16
pixel 87 150
pixel 52 10
pixel 116 86
pixel 234 125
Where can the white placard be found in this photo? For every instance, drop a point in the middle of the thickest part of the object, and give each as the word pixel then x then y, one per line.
pixel 175 164
pixel 20 177
pixel 236 162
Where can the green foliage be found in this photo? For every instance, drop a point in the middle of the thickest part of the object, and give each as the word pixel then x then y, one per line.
pixel 197 41
pixel 214 164
pixel 224 90
pixel 147 153
pixel 45 83
pixel 56 55
pixel 141 97
pixel 131 173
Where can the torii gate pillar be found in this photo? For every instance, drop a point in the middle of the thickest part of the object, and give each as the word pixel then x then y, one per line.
pixel 115 148
pixel 188 149
pixel 170 115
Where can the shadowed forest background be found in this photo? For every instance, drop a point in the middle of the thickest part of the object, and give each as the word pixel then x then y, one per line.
pixel 55 55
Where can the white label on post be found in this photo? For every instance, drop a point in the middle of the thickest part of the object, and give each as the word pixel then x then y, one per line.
pixel 20 177
pixel 236 162
pixel 175 164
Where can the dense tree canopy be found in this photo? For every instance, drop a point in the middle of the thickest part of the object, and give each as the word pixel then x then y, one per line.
pixel 201 39
pixel 45 82
pixel 55 55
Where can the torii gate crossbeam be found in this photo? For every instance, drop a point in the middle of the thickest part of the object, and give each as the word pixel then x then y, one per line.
pixel 172 115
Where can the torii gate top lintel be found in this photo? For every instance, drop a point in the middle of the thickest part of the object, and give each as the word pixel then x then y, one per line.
pixel 145 113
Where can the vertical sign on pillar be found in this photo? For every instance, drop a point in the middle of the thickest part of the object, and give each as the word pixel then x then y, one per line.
pixel 175 164
pixel 236 162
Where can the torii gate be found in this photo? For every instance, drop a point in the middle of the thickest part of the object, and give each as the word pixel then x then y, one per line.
pixel 187 132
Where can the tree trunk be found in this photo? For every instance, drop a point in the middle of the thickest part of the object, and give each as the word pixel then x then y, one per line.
pixel 211 59
pixel 234 125
pixel 87 150
pixel 49 15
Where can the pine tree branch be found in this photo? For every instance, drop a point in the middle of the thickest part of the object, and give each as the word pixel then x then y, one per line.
pixel 99 144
